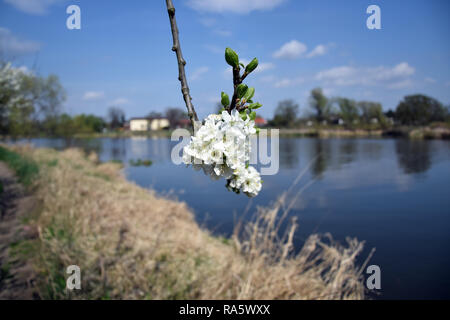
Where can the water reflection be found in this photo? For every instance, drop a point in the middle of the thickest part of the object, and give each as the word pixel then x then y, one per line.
pixel 347 151
pixel 322 151
pixel 289 153
pixel 118 149
pixel 413 156
pixel 372 150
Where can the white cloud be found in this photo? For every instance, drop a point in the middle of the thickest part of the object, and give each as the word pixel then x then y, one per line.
pixel 208 22
pixel 119 102
pixel 402 69
pixel 319 50
pixel 368 76
pixel 285 82
pixel 268 79
pixel 234 6
pixel 288 82
pixel 262 66
pixel 327 91
pixel 282 82
pixel 12 45
pixel 213 48
pixel 93 95
pixel 37 7
pixel 407 83
pixel 223 33
pixel 290 50
pixel 197 73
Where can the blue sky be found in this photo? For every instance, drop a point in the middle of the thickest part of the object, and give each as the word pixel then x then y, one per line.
pixel 121 56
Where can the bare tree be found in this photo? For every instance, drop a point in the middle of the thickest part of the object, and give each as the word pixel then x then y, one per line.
pixel 174 115
pixel 116 117
pixel 286 113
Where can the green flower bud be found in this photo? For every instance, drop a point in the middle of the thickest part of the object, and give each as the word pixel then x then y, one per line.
pixel 225 99
pixel 232 58
pixel 251 66
pixel 241 90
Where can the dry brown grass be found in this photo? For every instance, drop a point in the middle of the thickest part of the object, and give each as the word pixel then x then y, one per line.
pixel 133 244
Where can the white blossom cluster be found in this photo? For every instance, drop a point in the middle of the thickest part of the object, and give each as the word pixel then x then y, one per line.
pixel 221 148
pixel 10 82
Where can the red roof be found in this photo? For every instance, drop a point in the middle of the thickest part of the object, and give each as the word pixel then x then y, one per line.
pixel 260 120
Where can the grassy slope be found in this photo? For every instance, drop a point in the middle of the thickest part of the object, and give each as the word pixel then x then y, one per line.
pixel 132 244
pixel 25 169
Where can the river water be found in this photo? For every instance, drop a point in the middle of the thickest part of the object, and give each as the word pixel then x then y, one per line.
pixel 392 193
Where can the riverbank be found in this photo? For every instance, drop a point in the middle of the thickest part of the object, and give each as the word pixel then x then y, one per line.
pixel 131 243
pixel 417 133
pixel 17 276
pixel 400 132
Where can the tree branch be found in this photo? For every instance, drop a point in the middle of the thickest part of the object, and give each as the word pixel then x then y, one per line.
pixel 181 63
pixel 237 80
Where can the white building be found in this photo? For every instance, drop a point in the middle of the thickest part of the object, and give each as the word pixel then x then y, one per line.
pixel 146 124
pixel 159 123
pixel 139 124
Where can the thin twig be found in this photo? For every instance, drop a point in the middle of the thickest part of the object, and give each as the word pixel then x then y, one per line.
pixel 237 80
pixel 181 63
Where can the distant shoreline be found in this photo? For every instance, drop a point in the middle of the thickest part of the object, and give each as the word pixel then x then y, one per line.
pixel 427 133
pixel 400 132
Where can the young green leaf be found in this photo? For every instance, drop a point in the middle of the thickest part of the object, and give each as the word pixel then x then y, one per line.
pixel 249 94
pixel 255 105
pixel 225 99
pixel 252 115
pixel 241 90
pixel 251 66
pixel 243 115
pixel 232 58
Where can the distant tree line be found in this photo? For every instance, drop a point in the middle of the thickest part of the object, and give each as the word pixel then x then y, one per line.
pixel 31 105
pixel 413 110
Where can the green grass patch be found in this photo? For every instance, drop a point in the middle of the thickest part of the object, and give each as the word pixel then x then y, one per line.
pixel 52 163
pixel 24 249
pixel 25 169
pixel 99 175
pixel 140 163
